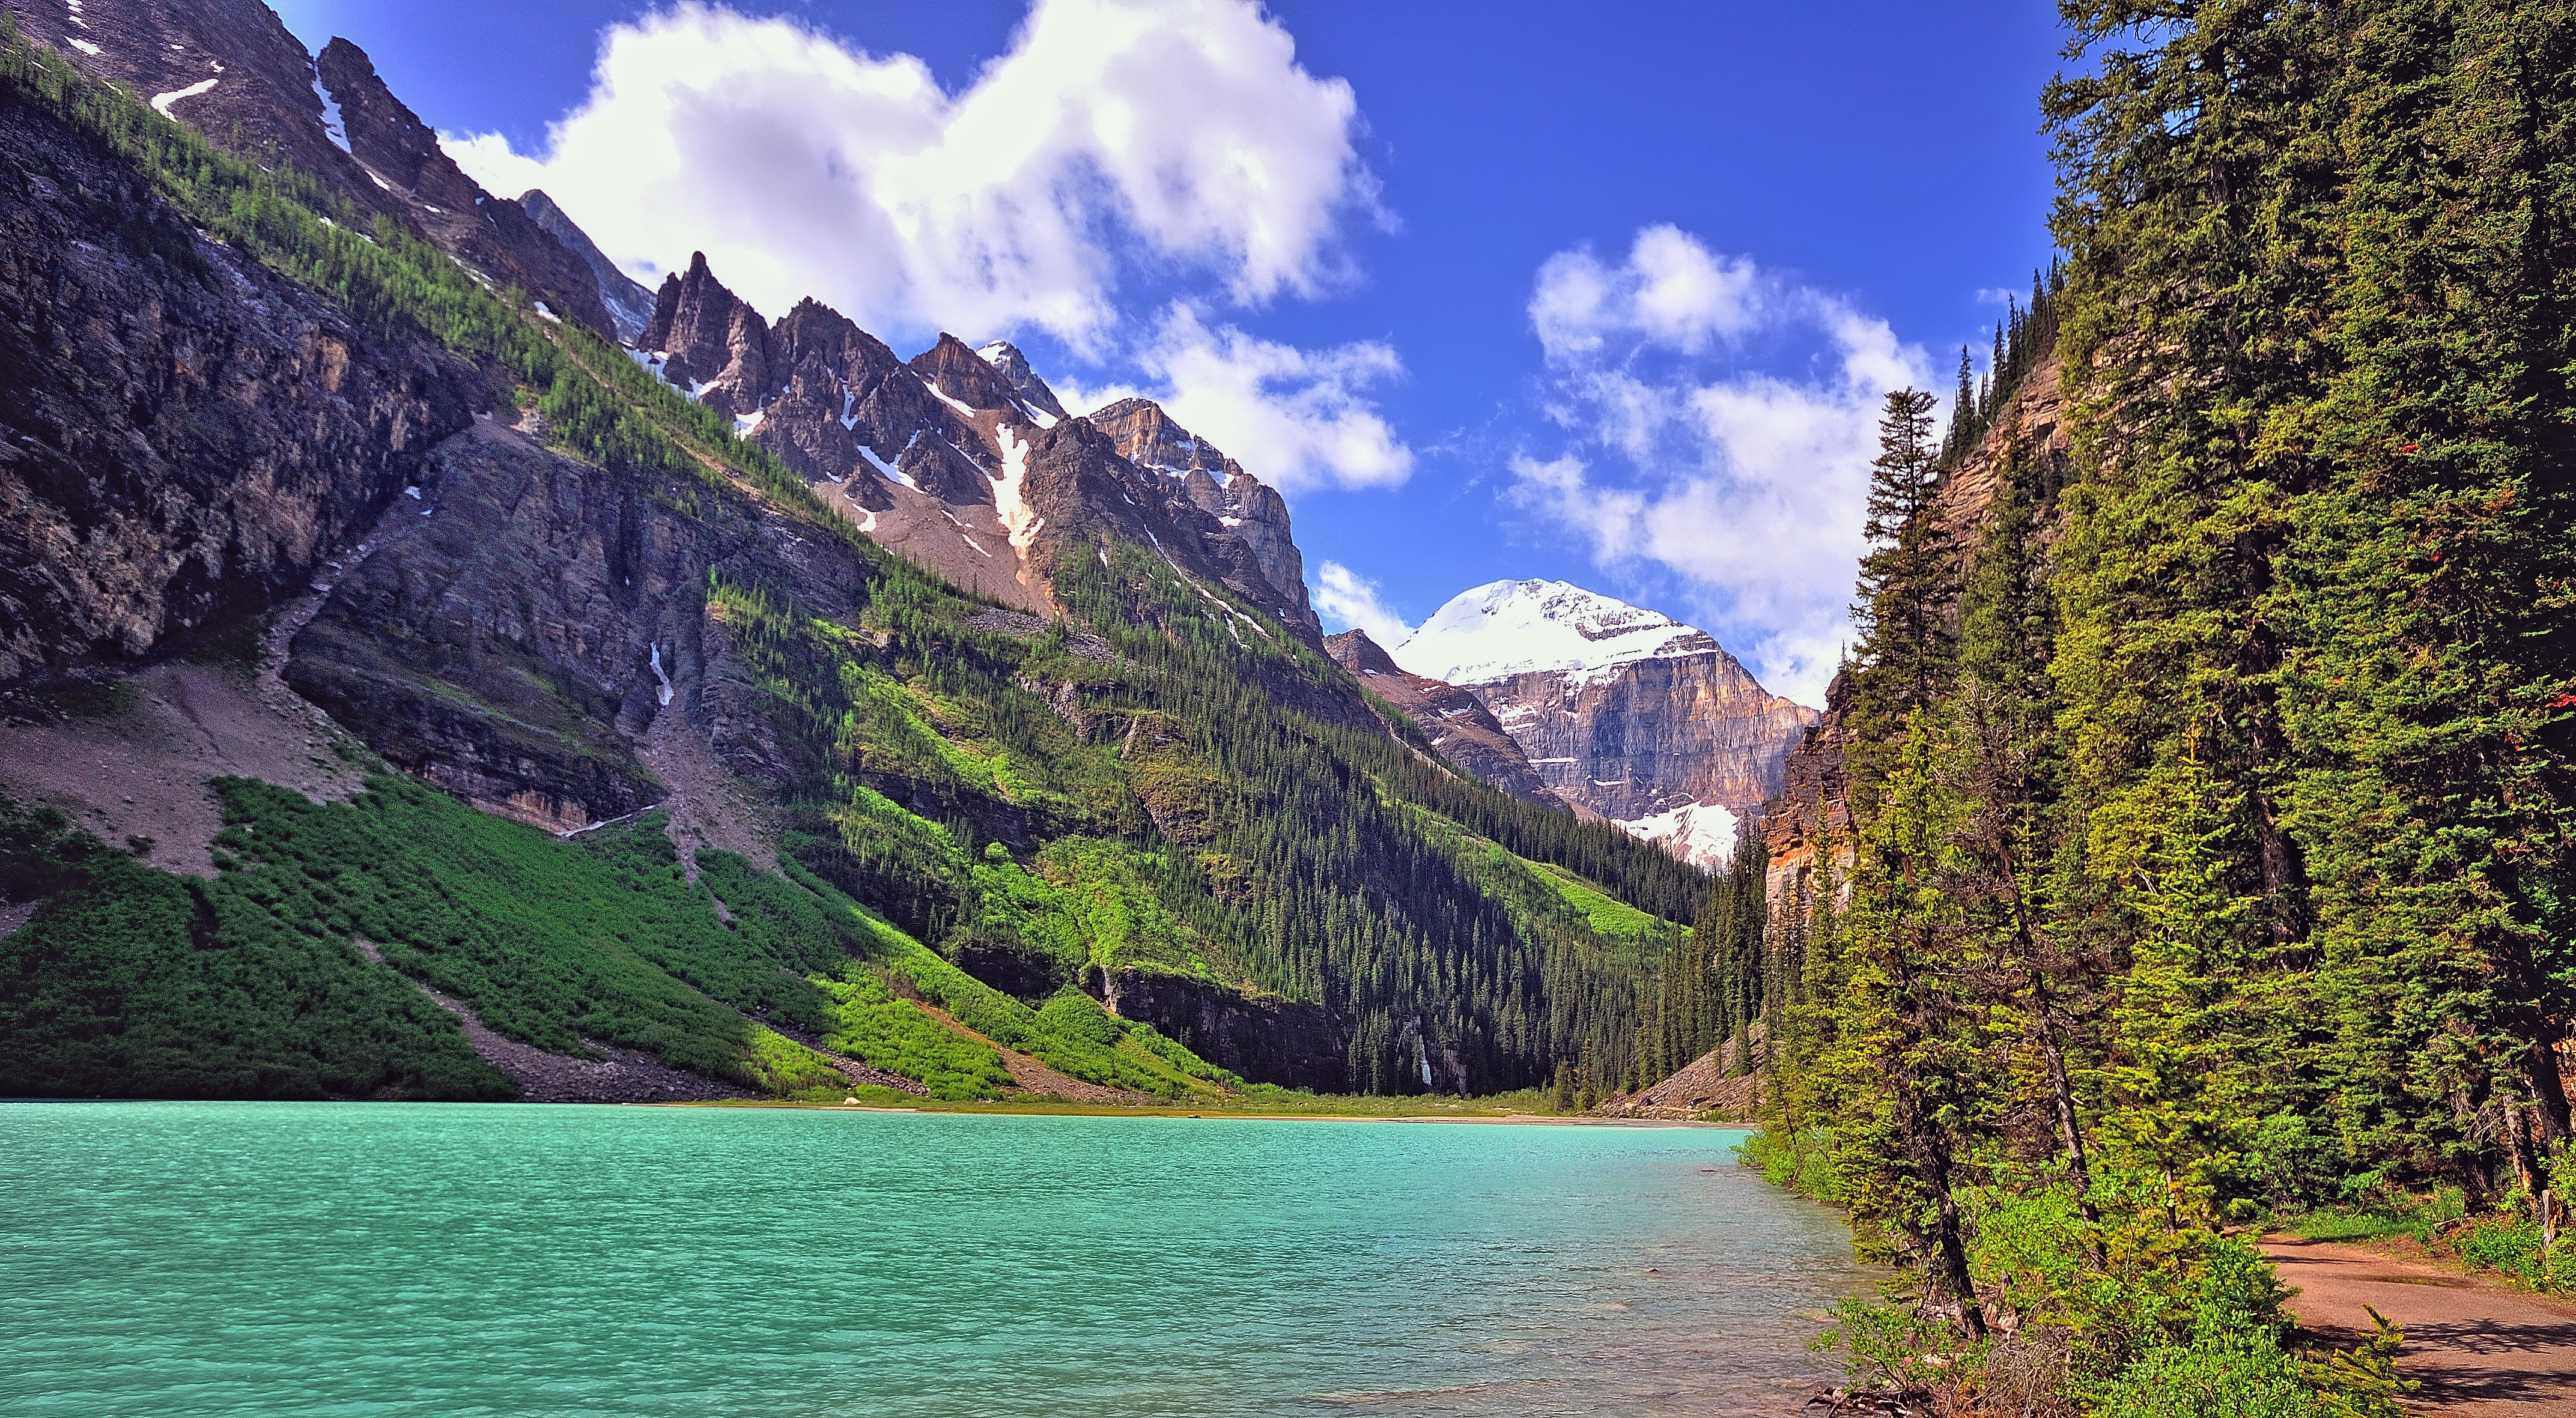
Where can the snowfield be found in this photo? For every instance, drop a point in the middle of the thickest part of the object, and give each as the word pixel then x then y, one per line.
pixel 1510 628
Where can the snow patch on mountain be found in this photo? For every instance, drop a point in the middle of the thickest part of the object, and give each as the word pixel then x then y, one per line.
pixel 334 127
pixel 161 102
pixel 1702 834
pixel 1493 632
pixel 1008 499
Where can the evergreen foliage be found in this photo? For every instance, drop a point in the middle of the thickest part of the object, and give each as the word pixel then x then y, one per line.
pixel 2212 780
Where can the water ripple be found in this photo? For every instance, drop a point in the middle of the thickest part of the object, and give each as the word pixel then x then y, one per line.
pixel 349 1259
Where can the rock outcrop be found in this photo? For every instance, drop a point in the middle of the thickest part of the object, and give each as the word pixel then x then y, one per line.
pixel 1808 826
pixel 1265 1040
pixel 1215 484
pixel 963 459
pixel 1621 711
pixel 185 437
pixel 629 304
pixel 492 235
pixel 1458 724
pixel 519 644
pixel 1013 366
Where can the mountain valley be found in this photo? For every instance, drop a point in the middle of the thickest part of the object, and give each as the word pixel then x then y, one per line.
pixel 922 735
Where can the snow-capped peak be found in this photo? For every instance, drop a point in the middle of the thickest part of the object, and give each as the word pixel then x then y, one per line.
pixel 1038 400
pixel 1508 628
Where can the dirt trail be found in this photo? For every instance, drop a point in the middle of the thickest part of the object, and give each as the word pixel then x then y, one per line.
pixel 1034 1076
pixel 2477 1347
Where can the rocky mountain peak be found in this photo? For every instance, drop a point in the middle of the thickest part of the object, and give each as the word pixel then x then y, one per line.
pixel 493 234
pixel 1149 438
pixel 630 306
pixel 1508 628
pixel 1013 366
pixel 706 340
pixel 1621 710
pixel 954 369
pixel 1460 727
pixel 1354 651
pixel 230 69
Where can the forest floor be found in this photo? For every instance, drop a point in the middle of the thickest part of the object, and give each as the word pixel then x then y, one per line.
pixel 2477 1346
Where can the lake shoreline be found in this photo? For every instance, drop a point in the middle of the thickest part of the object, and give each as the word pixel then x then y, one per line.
pixel 1052 1108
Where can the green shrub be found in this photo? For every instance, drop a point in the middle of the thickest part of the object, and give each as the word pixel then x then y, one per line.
pixel 790 1070
pixel 2218 1375
pixel 2515 1246
pixel 872 1025
pixel 132 982
pixel 1800 1162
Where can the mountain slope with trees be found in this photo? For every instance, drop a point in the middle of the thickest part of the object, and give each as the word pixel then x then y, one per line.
pixel 799 788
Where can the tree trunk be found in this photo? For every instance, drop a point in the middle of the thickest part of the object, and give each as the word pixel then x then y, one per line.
pixel 2519 1135
pixel 2069 1132
pixel 2549 1090
pixel 1949 1247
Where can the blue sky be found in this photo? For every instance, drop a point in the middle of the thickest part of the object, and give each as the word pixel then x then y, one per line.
pixel 1602 293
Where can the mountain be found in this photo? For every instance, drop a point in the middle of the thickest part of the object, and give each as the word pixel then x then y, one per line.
pixel 629 305
pixel 964 461
pixel 230 69
pixel 1215 484
pixel 409 692
pixel 1622 711
pixel 1454 720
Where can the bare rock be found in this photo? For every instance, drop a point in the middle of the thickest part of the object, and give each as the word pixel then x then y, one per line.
pixel 1457 723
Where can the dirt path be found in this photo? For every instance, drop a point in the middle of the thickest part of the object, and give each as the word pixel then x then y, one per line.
pixel 1034 1076
pixel 2477 1347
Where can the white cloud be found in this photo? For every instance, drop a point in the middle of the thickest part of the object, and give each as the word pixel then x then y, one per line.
pixel 1346 600
pixel 1180 135
pixel 1671 291
pixel 1744 483
pixel 1294 418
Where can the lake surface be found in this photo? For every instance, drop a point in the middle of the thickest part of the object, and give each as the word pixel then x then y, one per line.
pixel 365 1259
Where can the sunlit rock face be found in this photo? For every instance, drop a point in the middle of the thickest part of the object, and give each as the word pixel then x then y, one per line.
pixel 1455 721
pixel 1621 711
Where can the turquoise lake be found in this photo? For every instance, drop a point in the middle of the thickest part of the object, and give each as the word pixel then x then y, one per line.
pixel 366 1259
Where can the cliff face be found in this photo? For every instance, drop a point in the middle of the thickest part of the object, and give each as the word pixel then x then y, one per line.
pixel 1806 826
pixel 490 234
pixel 1620 711
pixel 1649 737
pixel 520 633
pixel 1215 484
pixel 1265 1040
pixel 185 437
pixel 1455 720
